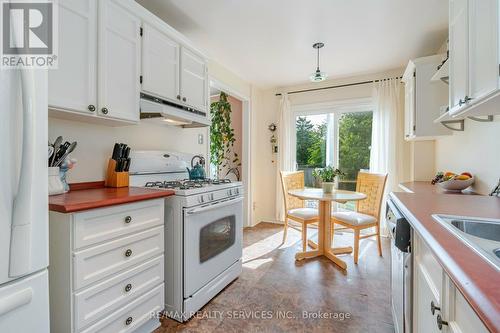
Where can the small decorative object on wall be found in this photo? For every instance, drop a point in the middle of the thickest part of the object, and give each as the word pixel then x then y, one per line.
pixel 274 146
pixel 222 138
pixel 329 177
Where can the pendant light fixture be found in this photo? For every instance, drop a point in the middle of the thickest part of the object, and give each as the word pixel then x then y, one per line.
pixel 318 76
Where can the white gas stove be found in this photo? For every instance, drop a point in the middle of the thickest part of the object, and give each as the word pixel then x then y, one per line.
pixel 203 230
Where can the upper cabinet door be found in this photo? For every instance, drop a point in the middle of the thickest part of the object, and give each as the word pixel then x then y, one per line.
pixel 194 81
pixel 160 64
pixel 483 47
pixel 73 85
pixel 119 55
pixel 458 53
pixel 410 107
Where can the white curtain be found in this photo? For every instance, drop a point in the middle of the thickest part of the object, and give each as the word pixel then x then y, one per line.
pixel 284 160
pixel 388 149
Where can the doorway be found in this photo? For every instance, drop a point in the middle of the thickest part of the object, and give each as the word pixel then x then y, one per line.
pixel 240 120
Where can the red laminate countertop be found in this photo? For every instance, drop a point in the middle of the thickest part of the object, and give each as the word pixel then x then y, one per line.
pixel 427 187
pixel 91 198
pixel 476 279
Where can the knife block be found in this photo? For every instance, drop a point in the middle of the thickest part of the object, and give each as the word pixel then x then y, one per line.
pixel 116 179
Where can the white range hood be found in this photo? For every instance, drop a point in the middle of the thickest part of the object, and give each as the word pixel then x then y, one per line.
pixel 161 111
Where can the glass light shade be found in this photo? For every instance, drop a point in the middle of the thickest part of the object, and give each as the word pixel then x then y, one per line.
pixel 318 76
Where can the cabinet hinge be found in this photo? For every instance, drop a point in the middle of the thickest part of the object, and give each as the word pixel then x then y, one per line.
pixel 140 31
pixel 414 74
pixel 414 128
pixel 140 79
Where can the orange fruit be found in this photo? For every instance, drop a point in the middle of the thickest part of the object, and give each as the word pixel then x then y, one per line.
pixel 449 174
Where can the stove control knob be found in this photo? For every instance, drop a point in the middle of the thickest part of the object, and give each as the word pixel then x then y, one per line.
pixel 201 199
pixel 211 196
pixel 237 191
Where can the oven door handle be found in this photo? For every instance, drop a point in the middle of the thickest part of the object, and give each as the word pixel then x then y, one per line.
pixel 214 206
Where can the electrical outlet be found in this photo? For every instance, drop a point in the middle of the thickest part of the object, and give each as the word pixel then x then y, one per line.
pixel 200 139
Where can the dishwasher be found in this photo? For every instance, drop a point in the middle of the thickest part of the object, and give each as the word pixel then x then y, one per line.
pixel 401 268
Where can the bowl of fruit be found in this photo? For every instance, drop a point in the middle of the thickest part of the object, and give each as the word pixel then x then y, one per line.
pixel 453 182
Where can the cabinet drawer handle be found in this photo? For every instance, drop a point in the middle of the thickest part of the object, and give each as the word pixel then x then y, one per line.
pixel 91 108
pixel 128 287
pixel 128 219
pixel 129 321
pixel 184 99
pixel 128 253
pixel 440 322
pixel 434 308
pixel 104 110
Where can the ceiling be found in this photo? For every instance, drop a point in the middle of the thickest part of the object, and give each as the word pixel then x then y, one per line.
pixel 269 43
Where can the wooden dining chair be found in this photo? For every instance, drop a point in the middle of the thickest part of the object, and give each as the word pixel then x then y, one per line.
pixel 367 214
pixel 294 207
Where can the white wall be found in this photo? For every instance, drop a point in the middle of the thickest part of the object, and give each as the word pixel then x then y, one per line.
pixel 95 143
pixel 475 150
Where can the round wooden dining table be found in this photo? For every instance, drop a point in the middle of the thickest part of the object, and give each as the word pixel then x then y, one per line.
pixel 324 247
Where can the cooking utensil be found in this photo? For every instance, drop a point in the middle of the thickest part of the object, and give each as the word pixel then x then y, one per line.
pixel 50 151
pixel 71 147
pixel 56 146
pixel 61 151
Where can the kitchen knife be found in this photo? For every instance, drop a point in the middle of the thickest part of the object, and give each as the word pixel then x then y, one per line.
pixel 116 149
pixel 127 164
pixel 127 152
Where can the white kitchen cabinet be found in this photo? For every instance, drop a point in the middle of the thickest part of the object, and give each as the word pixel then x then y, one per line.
pixel 194 80
pixel 431 285
pixel 483 48
pixel 410 126
pixel 461 318
pixel 423 99
pixel 458 37
pixel 99 63
pixel 72 86
pixel 103 261
pixel 474 57
pixel 160 64
pixel 119 54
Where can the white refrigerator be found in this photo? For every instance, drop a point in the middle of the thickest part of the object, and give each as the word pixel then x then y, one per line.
pixel 24 296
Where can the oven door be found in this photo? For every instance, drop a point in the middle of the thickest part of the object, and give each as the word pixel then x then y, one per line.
pixel 212 241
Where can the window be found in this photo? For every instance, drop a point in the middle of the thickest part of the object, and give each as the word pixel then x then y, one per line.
pixel 355 138
pixel 311 141
pixel 338 136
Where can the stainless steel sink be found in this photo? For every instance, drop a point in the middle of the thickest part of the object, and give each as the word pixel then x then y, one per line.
pixel 481 229
pixel 482 235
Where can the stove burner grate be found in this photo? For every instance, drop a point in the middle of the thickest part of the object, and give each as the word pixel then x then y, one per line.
pixel 187 184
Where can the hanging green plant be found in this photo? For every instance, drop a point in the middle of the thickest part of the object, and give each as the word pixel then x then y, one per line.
pixel 222 137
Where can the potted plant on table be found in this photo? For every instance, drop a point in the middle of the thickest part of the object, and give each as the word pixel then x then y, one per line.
pixel 327 176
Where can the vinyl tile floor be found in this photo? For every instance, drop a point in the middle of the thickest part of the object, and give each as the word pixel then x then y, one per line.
pixel 275 293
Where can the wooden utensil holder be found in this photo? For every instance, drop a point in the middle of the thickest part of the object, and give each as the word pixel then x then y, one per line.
pixel 116 179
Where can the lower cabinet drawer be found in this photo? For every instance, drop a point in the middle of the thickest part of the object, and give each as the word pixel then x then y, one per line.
pixel 106 297
pixel 133 315
pixel 99 262
pixel 103 224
